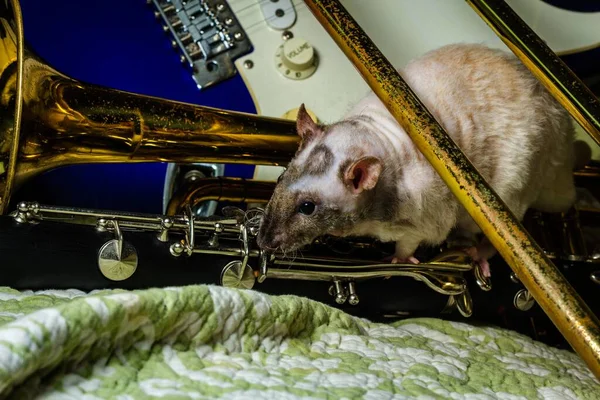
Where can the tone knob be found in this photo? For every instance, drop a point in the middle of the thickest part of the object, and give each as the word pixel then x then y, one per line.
pixel 296 59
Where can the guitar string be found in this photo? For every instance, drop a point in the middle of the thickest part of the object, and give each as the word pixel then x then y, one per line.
pixel 298 5
pixel 265 20
pixel 249 29
pixel 258 3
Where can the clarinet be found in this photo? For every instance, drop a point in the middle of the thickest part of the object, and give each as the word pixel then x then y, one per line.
pixel 50 247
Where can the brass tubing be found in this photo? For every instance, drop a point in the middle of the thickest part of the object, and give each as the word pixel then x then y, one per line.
pixel 81 123
pixel 49 120
pixel 534 269
pixel 219 189
pixel 19 49
pixel 564 85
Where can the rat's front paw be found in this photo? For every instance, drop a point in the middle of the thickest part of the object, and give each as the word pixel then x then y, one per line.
pixel 407 260
pixel 398 260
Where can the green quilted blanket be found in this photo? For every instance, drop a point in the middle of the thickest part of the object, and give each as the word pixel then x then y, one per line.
pixel 209 342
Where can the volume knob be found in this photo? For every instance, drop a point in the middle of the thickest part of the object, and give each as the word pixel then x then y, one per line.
pixel 296 59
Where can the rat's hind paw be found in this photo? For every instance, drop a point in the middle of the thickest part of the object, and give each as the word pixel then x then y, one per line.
pixel 483 263
pixel 485 268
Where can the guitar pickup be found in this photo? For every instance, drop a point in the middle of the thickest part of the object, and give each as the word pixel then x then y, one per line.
pixel 208 35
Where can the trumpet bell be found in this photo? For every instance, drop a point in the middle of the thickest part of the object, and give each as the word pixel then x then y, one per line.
pixel 49 120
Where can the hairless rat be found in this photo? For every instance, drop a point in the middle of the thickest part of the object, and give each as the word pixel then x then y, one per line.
pixel 363 176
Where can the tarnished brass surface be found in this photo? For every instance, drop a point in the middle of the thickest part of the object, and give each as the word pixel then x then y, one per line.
pixel 66 122
pixel 11 95
pixel 544 281
pixel 219 189
pixel 564 85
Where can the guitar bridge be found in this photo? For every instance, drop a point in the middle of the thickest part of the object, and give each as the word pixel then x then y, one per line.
pixel 208 35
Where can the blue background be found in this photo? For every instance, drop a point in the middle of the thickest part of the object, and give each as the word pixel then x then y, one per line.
pixel 118 44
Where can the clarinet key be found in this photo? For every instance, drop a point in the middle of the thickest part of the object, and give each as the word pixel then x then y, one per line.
pixel 338 292
pixel 523 300
pixel 117 259
pixel 234 275
pixel 352 296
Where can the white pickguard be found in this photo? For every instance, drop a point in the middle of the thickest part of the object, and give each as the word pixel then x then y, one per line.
pixel 402 29
pixel 328 92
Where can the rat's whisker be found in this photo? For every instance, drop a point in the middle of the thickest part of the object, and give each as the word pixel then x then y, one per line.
pixel 294 256
pixel 284 255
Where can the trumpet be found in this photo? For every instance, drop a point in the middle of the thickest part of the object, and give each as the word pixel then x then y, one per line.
pixel 50 120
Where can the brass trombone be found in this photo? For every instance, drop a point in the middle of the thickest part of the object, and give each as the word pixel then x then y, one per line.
pixel 547 285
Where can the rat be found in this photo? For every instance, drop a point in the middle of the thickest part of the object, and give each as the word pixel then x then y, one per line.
pixel 363 175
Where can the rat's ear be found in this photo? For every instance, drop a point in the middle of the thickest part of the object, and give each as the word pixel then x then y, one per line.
pixel 307 128
pixel 363 174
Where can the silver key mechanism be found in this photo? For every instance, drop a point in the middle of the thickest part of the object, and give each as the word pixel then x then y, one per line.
pixel 117 259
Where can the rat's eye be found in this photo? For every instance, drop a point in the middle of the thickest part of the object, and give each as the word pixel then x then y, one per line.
pixel 306 208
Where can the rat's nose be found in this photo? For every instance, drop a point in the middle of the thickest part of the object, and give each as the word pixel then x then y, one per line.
pixel 277 241
pixel 270 241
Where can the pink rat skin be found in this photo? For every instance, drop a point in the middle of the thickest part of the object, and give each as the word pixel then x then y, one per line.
pixel 363 176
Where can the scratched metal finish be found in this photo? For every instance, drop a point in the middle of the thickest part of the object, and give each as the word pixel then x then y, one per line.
pixel 547 285
pixel 564 85
pixel 67 122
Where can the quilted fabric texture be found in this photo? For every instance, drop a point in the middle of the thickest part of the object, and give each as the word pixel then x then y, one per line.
pixel 208 342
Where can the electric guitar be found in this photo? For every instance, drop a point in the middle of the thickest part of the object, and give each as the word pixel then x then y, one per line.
pixel 263 56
